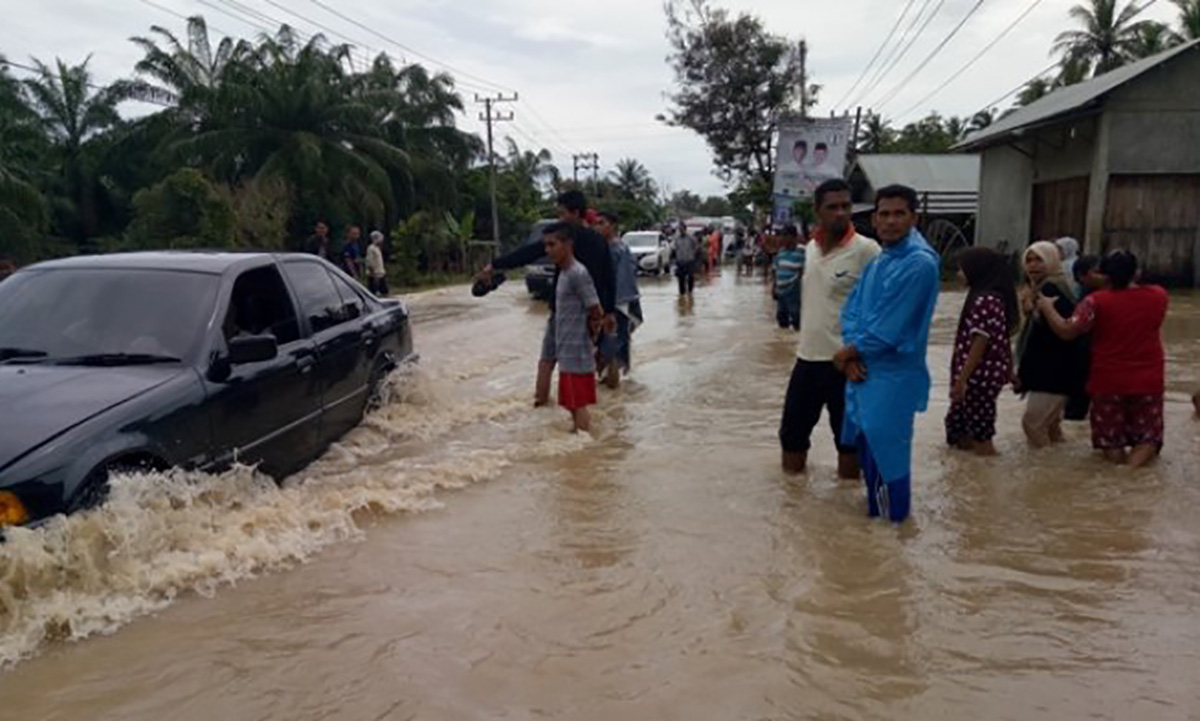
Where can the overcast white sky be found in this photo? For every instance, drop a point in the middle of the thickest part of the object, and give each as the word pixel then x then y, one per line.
pixel 591 75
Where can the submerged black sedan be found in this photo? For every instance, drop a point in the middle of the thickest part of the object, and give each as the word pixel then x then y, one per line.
pixel 193 360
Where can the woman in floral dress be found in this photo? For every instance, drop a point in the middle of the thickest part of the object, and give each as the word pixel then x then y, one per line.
pixel 982 361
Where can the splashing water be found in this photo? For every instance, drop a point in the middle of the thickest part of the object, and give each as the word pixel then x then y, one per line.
pixel 160 535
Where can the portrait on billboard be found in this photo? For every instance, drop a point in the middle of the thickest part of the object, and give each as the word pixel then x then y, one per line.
pixel 809 152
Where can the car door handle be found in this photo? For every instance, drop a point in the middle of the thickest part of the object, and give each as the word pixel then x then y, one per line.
pixel 305 364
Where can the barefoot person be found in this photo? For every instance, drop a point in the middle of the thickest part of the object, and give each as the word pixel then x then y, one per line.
pixel 615 346
pixel 981 364
pixel 836 257
pixel 577 317
pixel 591 251
pixel 885 329
pixel 1126 380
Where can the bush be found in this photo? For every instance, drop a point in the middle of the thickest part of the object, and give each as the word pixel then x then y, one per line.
pixel 185 210
pixel 262 209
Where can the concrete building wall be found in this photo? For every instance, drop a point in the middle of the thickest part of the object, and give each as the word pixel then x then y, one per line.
pixel 1006 178
pixel 1155 120
pixel 1064 151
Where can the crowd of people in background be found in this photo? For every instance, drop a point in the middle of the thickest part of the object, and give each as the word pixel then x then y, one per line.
pixel 363 262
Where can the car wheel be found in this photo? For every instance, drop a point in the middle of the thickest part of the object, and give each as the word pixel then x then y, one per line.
pixel 375 398
pixel 93 492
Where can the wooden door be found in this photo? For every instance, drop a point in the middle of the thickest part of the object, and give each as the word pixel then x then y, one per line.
pixel 1158 218
pixel 1060 209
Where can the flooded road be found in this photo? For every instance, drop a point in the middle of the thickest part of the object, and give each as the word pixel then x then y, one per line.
pixel 461 556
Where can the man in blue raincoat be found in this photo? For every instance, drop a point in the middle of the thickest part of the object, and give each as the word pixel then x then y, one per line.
pixel 885 331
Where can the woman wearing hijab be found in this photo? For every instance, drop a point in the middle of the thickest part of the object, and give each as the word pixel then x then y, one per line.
pixel 982 360
pixel 1068 249
pixel 1050 370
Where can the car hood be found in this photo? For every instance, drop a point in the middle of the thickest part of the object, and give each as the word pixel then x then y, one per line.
pixel 40 402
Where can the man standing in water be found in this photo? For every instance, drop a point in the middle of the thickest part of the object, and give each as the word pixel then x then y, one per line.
pixel 686 248
pixel 885 330
pixel 592 251
pixel 835 259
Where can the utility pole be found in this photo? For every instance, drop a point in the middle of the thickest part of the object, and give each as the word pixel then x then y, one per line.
pixel 857 123
pixel 587 161
pixel 803 79
pixel 491 117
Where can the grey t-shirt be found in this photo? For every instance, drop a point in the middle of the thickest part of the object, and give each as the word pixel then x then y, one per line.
pixel 685 248
pixel 574 294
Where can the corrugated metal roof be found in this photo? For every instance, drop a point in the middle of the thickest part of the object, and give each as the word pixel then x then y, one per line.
pixel 947 173
pixel 1070 99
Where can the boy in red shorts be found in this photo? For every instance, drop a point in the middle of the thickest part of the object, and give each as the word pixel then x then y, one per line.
pixel 1126 381
pixel 577 317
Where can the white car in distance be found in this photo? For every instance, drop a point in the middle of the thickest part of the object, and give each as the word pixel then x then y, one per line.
pixel 651 253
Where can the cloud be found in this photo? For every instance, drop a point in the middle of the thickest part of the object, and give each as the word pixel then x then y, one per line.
pixel 592 76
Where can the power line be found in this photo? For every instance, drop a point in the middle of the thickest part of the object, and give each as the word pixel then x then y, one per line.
pixel 902 46
pixel 337 13
pixel 879 51
pixel 1030 8
pixel 929 58
pixel 1017 89
pixel 94 86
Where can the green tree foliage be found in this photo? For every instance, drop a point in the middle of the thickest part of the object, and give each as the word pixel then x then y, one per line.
pixel 22 146
pixel 252 142
pixel 184 211
pixel 73 112
pixel 1108 35
pixel 735 81
pixel 633 181
pixel 1189 19
pixel 876 135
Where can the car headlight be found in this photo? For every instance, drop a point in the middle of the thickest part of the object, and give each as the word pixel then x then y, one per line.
pixel 12 511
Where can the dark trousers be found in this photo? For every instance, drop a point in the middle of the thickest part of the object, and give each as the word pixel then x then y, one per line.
pixel 815 385
pixel 378 286
pixel 788 308
pixel 686 272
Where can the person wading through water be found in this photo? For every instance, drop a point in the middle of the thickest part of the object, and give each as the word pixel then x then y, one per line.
pixel 885 329
pixel 592 251
pixel 836 257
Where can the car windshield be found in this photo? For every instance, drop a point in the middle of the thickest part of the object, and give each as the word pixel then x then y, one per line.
pixel 76 313
pixel 642 240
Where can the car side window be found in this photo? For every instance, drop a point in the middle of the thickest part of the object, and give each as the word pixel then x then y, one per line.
pixel 352 302
pixel 261 305
pixel 319 299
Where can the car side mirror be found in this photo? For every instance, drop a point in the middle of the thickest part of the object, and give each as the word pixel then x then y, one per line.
pixel 252 349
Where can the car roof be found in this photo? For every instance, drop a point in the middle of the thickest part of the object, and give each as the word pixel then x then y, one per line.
pixel 215 262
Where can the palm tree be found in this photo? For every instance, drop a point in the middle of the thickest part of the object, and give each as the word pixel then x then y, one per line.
pixel 22 207
pixel 982 119
pixel 185 75
pixel 289 113
pixel 416 112
pixel 530 167
pixel 1108 36
pixel 1152 39
pixel 72 111
pixel 633 180
pixel 876 135
pixel 956 128
pixel 1034 90
pixel 1189 19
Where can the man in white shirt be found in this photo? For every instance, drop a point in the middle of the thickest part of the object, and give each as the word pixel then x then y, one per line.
pixel 835 259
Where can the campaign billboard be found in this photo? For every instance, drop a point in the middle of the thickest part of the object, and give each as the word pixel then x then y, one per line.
pixel 809 152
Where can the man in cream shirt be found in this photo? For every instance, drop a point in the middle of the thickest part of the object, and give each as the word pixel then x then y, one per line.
pixel 836 257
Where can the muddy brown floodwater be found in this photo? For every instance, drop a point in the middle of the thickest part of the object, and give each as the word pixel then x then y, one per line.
pixel 461 556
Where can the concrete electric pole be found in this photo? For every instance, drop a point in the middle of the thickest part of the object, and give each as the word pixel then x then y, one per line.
pixel 491 117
